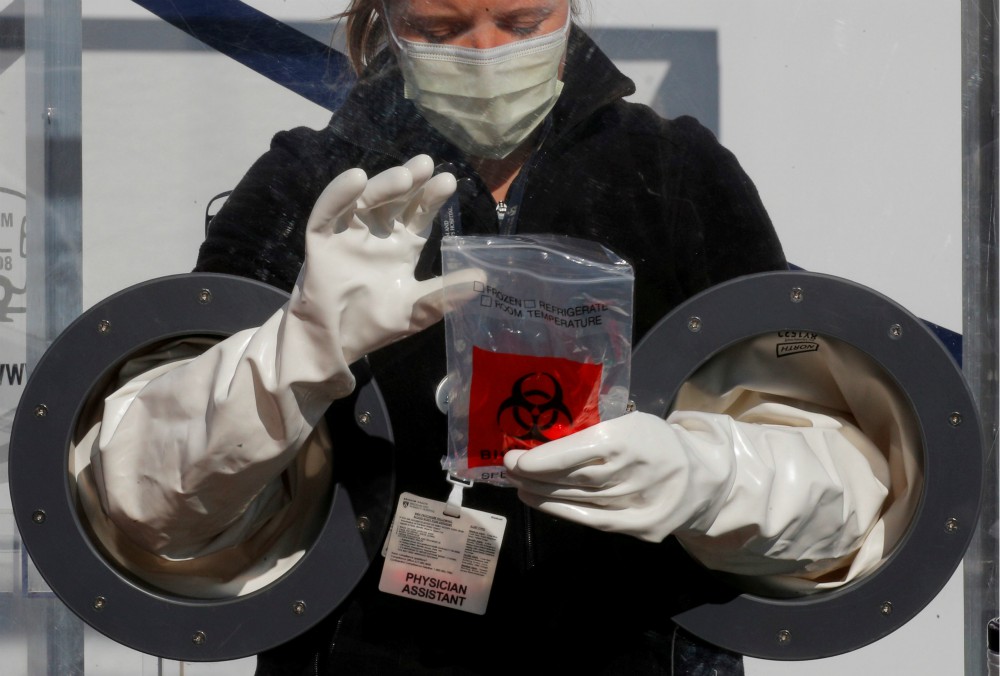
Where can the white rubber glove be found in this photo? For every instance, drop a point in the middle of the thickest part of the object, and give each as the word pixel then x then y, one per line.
pixel 772 499
pixel 188 457
pixel 356 291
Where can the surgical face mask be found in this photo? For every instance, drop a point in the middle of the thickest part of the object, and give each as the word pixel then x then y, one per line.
pixel 485 101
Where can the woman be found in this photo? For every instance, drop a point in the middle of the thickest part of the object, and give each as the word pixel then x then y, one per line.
pixel 525 120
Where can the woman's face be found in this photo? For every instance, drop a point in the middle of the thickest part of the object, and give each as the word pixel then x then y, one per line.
pixel 480 24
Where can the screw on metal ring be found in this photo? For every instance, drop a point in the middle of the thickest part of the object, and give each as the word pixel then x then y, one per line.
pixel 299 607
pixel 41 411
pixel 38 516
pixel 363 523
pixel 364 418
pixel 694 324
pixel 784 637
pixel 886 608
pixel 205 296
pixel 99 603
pixel 104 326
pixel 895 331
pixel 199 638
pixel 951 526
pixel 797 295
pixel 955 419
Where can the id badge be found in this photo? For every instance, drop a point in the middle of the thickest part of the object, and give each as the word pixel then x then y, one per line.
pixel 440 559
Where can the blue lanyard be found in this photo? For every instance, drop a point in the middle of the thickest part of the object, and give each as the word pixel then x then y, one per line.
pixel 451 217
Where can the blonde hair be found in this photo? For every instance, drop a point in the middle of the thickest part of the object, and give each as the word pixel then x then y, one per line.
pixel 367 32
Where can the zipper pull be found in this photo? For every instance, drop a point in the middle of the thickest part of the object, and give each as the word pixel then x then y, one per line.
pixel 501 211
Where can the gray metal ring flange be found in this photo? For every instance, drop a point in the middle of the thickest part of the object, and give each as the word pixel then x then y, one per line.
pixel 146 619
pixel 834 622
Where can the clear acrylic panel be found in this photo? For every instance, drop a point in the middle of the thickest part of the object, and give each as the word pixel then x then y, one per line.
pixel 866 127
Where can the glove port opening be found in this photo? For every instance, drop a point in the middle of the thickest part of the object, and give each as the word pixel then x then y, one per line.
pixel 935 518
pixel 89 570
pixel 273 545
pixel 855 422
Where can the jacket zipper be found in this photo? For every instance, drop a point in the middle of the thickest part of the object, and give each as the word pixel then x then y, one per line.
pixel 529 538
pixel 507 213
pixel 331 647
pixel 507 217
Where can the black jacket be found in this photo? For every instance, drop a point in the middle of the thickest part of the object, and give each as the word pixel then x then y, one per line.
pixel 664 195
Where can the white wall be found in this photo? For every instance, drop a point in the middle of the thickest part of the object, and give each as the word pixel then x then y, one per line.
pixel 846 114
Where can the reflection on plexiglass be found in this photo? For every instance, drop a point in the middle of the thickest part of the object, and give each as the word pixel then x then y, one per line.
pixel 831 169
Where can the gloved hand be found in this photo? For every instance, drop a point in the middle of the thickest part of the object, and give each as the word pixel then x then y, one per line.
pixel 754 499
pixel 356 291
pixel 189 456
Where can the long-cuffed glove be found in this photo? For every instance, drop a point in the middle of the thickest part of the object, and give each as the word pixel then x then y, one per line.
pixel 795 496
pixel 188 456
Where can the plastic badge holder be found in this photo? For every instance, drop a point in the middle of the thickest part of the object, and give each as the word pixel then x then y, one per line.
pixel 542 350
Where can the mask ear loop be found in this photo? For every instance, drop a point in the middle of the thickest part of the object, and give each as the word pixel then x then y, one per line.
pixel 388 25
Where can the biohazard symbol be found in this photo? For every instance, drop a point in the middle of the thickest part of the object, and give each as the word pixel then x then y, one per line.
pixel 535 408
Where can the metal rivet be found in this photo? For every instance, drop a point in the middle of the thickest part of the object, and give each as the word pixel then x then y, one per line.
pixel 363 523
pixel 886 608
pixel 951 526
pixel 99 603
pixel 103 326
pixel 199 638
pixel 784 637
pixel 299 607
pixel 630 406
pixel 204 296
pixel 38 516
pixel 41 411
pixel 796 295
pixel 694 324
pixel 955 419
pixel 364 418
pixel 895 331
pixel 442 395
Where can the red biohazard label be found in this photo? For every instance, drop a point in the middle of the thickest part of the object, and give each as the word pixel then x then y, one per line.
pixel 519 401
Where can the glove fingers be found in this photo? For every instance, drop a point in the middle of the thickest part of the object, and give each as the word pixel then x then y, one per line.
pixel 604 478
pixel 428 203
pixel 559 457
pixel 383 198
pixel 386 187
pixel 577 513
pixel 433 297
pixel 429 304
pixel 567 491
pixel 463 285
pixel 335 206
pixel 393 194
pixel 422 168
